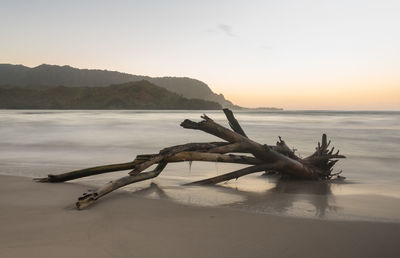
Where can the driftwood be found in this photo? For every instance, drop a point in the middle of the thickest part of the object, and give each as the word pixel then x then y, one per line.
pixel 277 158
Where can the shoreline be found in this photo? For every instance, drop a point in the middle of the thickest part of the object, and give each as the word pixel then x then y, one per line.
pixel 39 220
pixel 283 198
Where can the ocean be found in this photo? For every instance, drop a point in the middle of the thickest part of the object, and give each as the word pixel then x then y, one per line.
pixel 34 143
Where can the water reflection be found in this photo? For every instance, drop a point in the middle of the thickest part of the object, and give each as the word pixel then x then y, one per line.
pixel 285 197
pixel 153 188
pixel 290 197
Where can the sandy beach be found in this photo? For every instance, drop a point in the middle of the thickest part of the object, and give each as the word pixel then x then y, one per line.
pixel 185 129
pixel 39 220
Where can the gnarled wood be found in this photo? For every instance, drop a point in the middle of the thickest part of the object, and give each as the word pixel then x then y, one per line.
pixel 178 157
pixel 261 152
pixel 233 123
pixel 236 174
pixel 92 196
pixel 279 158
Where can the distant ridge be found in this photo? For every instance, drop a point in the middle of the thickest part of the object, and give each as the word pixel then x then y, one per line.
pixel 54 75
pixel 133 95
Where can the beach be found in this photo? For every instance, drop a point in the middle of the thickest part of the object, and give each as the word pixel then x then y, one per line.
pixel 35 143
pixel 254 216
pixel 39 220
pixel 226 129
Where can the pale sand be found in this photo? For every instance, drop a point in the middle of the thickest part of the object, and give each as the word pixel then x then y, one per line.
pixel 38 220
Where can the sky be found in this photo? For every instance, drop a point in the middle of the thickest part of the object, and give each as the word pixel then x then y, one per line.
pixel 341 55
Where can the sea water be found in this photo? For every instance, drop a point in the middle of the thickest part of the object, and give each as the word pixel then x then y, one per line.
pixel 35 143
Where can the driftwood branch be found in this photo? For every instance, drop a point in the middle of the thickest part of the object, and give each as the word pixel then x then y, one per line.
pixel 89 198
pixel 278 158
pixel 235 174
pixel 178 157
pixel 233 123
pixel 264 153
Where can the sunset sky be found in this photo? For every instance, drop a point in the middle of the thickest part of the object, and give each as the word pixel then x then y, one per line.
pixel 290 54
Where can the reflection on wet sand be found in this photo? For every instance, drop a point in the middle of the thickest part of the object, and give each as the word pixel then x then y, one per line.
pixel 152 188
pixel 281 196
pixel 290 197
pixel 286 197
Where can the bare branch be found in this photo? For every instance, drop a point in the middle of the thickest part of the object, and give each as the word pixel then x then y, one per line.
pixel 235 174
pixel 233 123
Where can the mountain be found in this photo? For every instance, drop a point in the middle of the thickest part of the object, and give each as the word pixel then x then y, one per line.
pixel 54 75
pixel 133 95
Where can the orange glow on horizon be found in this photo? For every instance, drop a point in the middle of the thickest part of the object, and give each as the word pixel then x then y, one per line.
pixel 353 98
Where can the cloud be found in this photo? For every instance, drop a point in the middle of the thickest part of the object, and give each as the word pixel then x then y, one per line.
pixel 226 29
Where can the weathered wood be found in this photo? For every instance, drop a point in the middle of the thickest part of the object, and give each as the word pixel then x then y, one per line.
pixel 124 166
pixel 233 123
pixel 87 172
pixel 150 159
pixel 261 152
pixel 179 157
pixel 235 174
pixel 213 157
pixel 168 152
pixel 282 148
pixel 278 158
pixel 92 196
pixel 323 158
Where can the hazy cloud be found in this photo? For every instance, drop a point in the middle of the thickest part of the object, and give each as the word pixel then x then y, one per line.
pixel 226 29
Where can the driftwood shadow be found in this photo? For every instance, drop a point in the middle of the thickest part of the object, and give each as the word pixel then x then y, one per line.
pixel 281 198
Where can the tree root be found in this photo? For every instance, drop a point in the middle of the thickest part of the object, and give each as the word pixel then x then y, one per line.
pixel 278 158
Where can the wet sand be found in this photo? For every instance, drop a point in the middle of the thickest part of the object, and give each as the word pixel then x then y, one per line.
pixel 39 220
